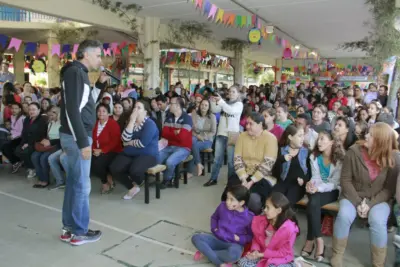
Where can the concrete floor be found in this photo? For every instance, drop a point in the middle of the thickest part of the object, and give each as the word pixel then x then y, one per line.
pixel 134 234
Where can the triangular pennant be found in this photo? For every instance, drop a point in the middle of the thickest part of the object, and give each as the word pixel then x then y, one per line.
pixel 207 7
pixel 213 12
pixel 244 21
pixel 231 20
pixel 248 21
pixel 238 20
pixel 66 48
pixel 199 4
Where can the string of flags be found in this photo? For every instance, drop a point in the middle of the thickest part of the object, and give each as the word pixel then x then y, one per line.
pixel 265 32
pixel 60 50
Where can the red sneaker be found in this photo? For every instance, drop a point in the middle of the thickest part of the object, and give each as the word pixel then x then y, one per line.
pixel 66 235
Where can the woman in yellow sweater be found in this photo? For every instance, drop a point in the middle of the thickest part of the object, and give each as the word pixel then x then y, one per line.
pixel 255 155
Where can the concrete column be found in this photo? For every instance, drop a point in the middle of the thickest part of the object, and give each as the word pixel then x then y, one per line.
pixel 151 50
pixel 278 72
pixel 19 64
pixel 53 64
pixel 239 64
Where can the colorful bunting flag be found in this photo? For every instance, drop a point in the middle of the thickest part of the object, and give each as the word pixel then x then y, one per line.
pixel 220 16
pixel 43 50
pixel 213 11
pixel 30 48
pixel 55 49
pixel 3 40
pixel 15 43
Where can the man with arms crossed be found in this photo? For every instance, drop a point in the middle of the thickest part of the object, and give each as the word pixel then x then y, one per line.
pixel 78 117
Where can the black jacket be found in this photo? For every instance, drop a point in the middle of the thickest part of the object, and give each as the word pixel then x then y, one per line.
pixel 78 109
pixel 35 131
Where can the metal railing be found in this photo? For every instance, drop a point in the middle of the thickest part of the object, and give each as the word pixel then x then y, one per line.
pixel 15 14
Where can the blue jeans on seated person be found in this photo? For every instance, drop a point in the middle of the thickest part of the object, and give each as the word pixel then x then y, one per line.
pixel 75 212
pixel 197 147
pixel 377 218
pixel 171 156
pixel 217 251
pixel 57 160
pixel 40 161
pixel 221 144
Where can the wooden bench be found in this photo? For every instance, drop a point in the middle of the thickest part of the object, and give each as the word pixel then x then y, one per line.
pixel 334 206
pixel 210 158
pixel 156 170
pixel 182 168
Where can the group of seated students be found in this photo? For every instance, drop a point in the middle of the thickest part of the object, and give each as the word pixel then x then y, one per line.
pixel 278 159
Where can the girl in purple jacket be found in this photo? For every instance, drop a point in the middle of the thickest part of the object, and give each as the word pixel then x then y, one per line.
pixel 231 230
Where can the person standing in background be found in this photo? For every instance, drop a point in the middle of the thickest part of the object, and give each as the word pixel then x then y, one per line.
pixel 5 76
pixel 78 117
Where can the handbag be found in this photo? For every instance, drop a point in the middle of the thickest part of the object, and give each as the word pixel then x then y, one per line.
pixel 232 136
pixel 327 225
pixel 41 148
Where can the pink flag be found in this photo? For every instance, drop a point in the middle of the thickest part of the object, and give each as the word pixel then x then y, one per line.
pixel 259 24
pixel 114 46
pixel 76 46
pixel 107 52
pixel 55 50
pixel 15 43
pixel 213 11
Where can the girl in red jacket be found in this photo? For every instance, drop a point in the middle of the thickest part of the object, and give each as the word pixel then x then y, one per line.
pixel 274 235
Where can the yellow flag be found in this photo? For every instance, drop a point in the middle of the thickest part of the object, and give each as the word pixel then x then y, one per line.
pixel 220 15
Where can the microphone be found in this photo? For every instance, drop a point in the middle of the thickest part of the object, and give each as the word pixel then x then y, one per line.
pixel 109 73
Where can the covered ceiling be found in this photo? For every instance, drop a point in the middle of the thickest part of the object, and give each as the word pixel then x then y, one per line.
pixel 316 24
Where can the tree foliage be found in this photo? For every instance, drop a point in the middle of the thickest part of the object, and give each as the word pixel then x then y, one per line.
pixel 234 44
pixel 127 13
pixel 189 32
pixel 383 40
pixel 70 33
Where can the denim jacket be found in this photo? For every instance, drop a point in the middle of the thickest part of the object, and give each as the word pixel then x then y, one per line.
pixel 303 154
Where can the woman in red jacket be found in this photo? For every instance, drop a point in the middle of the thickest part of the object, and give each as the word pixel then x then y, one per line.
pixel 340 98
pixel 106 145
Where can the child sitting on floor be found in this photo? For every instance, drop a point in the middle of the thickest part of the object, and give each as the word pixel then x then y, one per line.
pixel 274 235
pixel 231 230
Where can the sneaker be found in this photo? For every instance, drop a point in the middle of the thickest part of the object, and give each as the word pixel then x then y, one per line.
pixel 166 184
pixel 16 167
pixel 31 174
pixel 210 183
pixel 57 186
pixel 198 256
pixel 129 197
pixel 90 237
pixel 66 235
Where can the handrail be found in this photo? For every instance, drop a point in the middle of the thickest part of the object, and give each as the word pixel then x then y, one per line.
pixel 19 15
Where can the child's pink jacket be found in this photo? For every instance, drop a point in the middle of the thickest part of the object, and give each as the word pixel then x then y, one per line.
pixel 280 249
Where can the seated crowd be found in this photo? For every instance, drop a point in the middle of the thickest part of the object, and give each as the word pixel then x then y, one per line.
pixel 281 145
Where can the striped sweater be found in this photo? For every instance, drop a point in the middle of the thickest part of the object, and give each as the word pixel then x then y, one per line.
pixel 145 139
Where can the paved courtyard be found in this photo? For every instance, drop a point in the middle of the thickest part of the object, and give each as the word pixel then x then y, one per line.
pixel 134 234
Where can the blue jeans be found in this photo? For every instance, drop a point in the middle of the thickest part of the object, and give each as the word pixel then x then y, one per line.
pixel 217 251
pixel 221 144
pixel 56 160
pixel 377 218
pixel 75 213
pixel 172 156
pixel 41 164
pixel 197 147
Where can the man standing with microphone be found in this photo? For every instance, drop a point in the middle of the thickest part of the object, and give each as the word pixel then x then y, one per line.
pixel 78 117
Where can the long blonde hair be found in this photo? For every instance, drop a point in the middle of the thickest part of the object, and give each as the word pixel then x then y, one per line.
pixel 384 144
